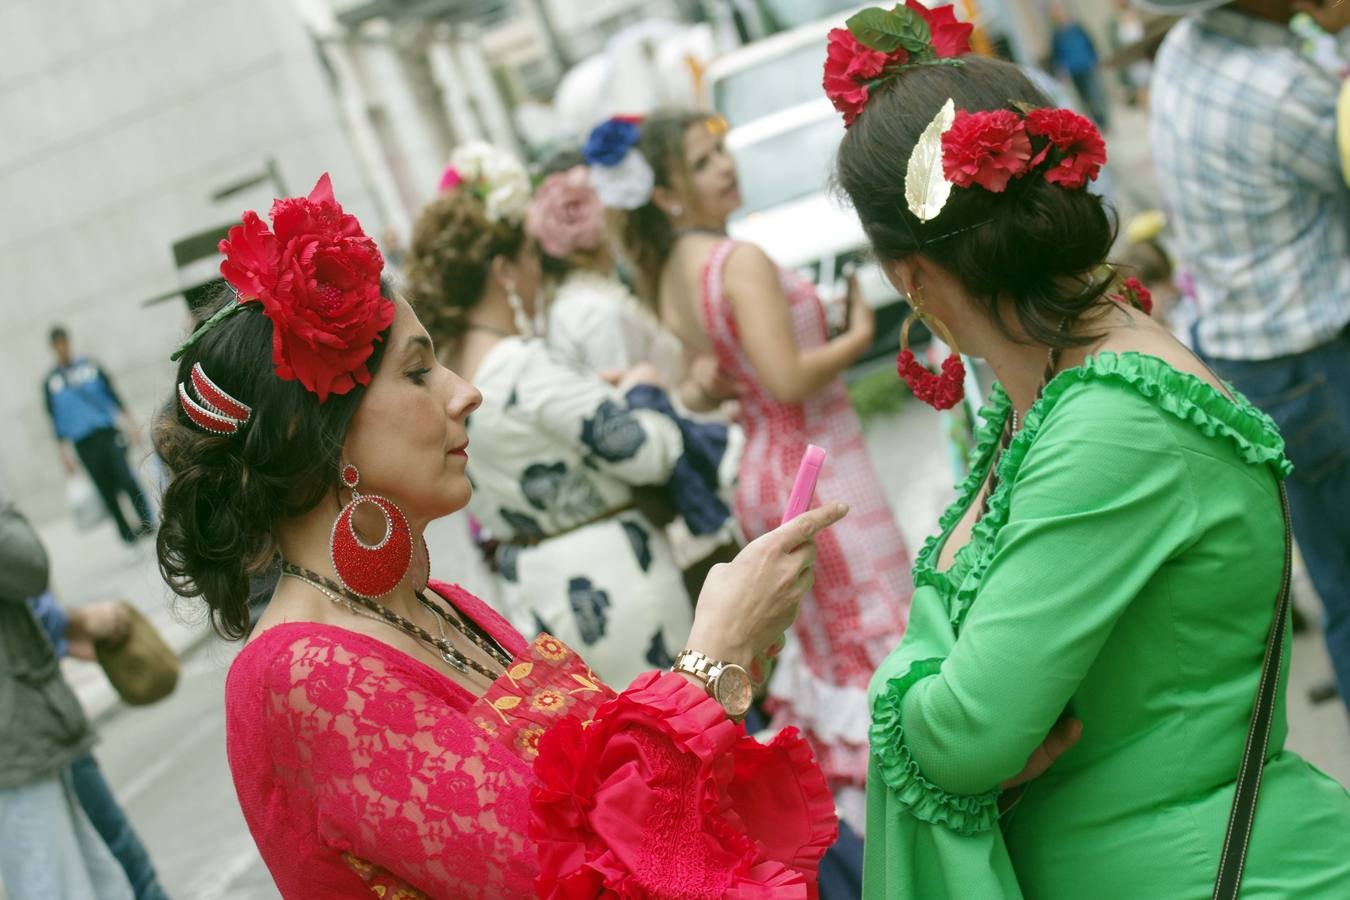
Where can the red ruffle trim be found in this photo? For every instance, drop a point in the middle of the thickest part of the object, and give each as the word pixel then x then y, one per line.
pixel 766 839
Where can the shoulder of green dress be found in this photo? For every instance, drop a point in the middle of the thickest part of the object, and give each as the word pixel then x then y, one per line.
pixel 964 814
pixel 1179 394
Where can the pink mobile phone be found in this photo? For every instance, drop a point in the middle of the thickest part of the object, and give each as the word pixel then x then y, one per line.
pixel 804 488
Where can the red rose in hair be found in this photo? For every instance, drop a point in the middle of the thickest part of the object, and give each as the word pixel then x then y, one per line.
pixel 950 37
pixel 1083 152
pixel 318 278
pixel 848 67
pixel 985 148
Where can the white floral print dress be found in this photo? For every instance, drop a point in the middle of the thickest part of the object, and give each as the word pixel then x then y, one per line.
pixel 596 323
pixel 555 454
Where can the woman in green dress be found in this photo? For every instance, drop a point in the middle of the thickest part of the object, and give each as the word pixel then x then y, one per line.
pixel 1107 577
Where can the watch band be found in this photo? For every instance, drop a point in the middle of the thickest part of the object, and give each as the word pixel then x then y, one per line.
pixel 706 670
pixel 702 667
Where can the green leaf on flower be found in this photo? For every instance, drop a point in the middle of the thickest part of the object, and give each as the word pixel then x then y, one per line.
pixel 886 32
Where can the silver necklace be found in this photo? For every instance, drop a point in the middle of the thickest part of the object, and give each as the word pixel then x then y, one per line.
pixel 337 599
pixel 440 628
pixel 461 666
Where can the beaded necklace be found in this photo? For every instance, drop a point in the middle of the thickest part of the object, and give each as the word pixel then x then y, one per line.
pixel 374 609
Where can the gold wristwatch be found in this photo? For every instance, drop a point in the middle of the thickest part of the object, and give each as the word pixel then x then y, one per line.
pixel 727 683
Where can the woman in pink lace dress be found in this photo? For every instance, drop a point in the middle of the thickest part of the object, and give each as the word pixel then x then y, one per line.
pixel 389 734
pixel 767 328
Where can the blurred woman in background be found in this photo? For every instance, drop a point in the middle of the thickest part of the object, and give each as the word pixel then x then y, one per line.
pixel 766 327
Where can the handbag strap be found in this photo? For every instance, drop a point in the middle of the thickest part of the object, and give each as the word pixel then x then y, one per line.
pixel 1243 814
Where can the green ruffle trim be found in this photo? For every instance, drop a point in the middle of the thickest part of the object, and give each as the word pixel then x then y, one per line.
pixel 994 417
pixel 964 814
pixel 1181 394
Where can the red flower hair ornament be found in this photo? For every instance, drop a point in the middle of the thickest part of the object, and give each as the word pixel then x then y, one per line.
pixel 1073 145
pixel 1133 292
pixel 317 276
pixel 985 148
pixel 878 43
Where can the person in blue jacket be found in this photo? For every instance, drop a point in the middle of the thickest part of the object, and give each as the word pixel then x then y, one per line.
pixel 84 409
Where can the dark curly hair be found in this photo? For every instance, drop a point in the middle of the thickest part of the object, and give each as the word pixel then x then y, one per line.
pixel 229 492
pixel 646 233
pixel 1033 248
pixel 453 245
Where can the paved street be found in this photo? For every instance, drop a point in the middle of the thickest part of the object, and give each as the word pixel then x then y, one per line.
pixel 167 762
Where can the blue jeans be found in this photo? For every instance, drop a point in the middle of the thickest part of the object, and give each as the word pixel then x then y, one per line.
pixel 1308 396
pixel 111 823
pixel 1090 87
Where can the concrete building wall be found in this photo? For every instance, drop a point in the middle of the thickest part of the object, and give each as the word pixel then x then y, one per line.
pixel 117 123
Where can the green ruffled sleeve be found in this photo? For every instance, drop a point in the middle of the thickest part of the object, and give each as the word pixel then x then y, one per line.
pixel 1094 498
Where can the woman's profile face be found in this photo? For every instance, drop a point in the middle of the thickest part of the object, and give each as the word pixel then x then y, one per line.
pixel 408 437
pixel 710 184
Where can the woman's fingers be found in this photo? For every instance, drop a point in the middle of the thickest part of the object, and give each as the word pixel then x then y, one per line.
pixel 809 524
pixel 803 582
pixel 1063 736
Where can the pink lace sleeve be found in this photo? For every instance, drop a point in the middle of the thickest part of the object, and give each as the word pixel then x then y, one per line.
pixel 402 784
pixel 661 796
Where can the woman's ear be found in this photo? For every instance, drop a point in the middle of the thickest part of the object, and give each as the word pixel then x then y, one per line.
pixel 904 275
pixel 667 201
pixel 502 271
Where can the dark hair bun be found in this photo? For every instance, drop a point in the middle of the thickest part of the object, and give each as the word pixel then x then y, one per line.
pixel 229 492
pixel 453 245
pixel 1030 246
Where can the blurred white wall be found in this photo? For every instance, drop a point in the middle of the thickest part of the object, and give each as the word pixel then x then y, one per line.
pixel 117 122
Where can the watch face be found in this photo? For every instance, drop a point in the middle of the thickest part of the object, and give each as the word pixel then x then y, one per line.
pixel 733 690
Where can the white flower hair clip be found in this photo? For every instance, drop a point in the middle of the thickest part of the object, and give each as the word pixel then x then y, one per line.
pixel 495 177
pixel 620 175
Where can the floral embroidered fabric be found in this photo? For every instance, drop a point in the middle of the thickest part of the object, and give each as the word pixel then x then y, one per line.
pixel 360 769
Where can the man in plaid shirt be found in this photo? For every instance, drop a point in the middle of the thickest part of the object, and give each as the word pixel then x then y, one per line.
pixel 1244 141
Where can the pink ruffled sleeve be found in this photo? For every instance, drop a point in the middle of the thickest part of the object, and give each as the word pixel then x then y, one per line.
pixel 660 795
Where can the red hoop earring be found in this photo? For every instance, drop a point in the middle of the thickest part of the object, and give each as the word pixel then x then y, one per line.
pixel 369 570
pixel 939 390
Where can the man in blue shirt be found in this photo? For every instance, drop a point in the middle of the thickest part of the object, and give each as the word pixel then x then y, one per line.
pixel 84 407
pixel 1073 53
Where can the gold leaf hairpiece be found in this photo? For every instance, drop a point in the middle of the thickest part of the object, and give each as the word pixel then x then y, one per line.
pixel 926 187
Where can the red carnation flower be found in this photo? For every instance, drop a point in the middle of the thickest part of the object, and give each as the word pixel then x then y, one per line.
pixel 1133 291
pixel 318 278
pixel 849 66
pixel 1083 152
pixel 985 148
pixel 950 37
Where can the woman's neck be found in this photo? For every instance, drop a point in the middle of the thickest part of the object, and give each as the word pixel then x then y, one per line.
pixel 701 223
pixel 1020 368
pixel 492 314
pixel 601 262
pixel 305 542
pixel 1024 368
